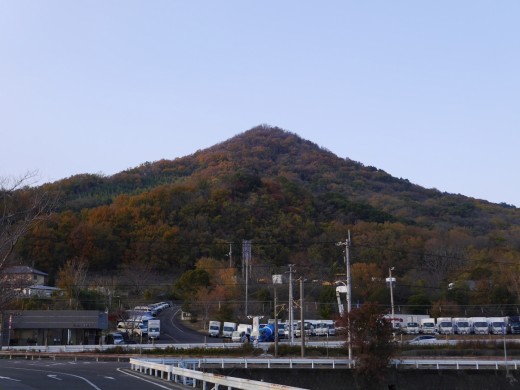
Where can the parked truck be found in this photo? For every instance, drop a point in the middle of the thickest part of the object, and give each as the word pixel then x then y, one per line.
pixel 428 326
pixel 411 327
pixel 214 329
pixel 498 325
pixel 246 328
pixel 444 325
pixel 514 324
pixel 325 328
pixel 412 323
pixel 461 325
pixel 228 329
pixel 479 325
pixel 154 329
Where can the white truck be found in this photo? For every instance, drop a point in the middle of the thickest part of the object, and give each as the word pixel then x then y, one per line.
pixel 312 327
pixel 444 325
pixel 479 325
pixel 325 328
pixel 498 325
pixel 214 329
pixel 246 328
pixel 411 327
pixel 461 325
pixel 228 328
pixel 428 326
pixel 397 320
pixel 412 323
pixel 154 329
pixel 308 328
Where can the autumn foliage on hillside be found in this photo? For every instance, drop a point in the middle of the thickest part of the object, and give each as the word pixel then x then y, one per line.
pixel 294 201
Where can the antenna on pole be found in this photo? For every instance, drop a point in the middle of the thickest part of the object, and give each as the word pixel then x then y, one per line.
pixel 346 244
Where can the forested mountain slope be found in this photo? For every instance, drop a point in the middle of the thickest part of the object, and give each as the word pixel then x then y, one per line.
pixel 295 201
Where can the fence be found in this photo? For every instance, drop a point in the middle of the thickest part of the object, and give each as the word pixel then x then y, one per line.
pixel 438 364
pixel 185 370
pixel 190 376
pixel 148 347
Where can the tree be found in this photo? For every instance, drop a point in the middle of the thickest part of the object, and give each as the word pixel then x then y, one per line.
pixel 371 340
pixel 71 278
pixel 419 303
pixel 367 276
pixel 443 308
pixel 211 293
pixel 137 276
pixel 327 301
pixel 21 208
pixel 187 286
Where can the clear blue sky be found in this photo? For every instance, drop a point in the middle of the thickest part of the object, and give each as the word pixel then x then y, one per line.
pixel 425 90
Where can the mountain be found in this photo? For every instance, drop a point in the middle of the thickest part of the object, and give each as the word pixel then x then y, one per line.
pixel 266 152
pixel 294 200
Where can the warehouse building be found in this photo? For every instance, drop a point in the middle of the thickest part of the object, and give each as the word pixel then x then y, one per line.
pixel 53 327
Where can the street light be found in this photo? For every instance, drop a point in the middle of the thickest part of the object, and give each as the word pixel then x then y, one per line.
pixel 340 290
pixel 348 287
pixel 391 281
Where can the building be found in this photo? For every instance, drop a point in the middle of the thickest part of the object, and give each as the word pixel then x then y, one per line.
pixel 21 276
pixel 27 282
pixel 53 327
pixel 40 291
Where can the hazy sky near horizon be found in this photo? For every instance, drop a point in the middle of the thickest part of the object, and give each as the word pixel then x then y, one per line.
pixel 427 91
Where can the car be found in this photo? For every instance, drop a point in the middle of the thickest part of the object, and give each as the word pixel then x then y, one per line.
pixel 423 340
pixel 141 330
pixel 115 338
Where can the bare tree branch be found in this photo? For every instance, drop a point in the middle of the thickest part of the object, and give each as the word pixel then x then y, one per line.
pixel 21 207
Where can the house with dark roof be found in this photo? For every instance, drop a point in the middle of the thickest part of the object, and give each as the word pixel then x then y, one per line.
pixel 21 276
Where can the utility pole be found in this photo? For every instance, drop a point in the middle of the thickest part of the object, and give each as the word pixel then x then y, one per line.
pixel 291 305
pixel 302 322
pixel 391 281
pixel 277 279
pixel 275 324
pixel 349 288
pixel 230 254
pixel 246 261
pixel 247 287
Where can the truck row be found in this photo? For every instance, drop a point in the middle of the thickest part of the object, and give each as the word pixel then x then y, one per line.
pixel 142 322
pixel 241 331
pixel 415 324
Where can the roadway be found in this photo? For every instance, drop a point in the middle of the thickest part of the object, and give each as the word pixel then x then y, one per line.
pixel 173 331
pixel 47 374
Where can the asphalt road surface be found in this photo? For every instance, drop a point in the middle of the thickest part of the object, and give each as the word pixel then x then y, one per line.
pixel 46 374
pixel 174 331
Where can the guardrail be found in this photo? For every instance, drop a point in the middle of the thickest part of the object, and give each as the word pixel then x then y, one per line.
pixel 104 347
pixel 185 370
pixel 190 377
pixel 147 347
pixel 338 363
pixel 456 364
pixel 270 362
pixel 265 362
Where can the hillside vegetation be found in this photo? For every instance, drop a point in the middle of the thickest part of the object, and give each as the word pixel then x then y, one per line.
pixel 295 201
